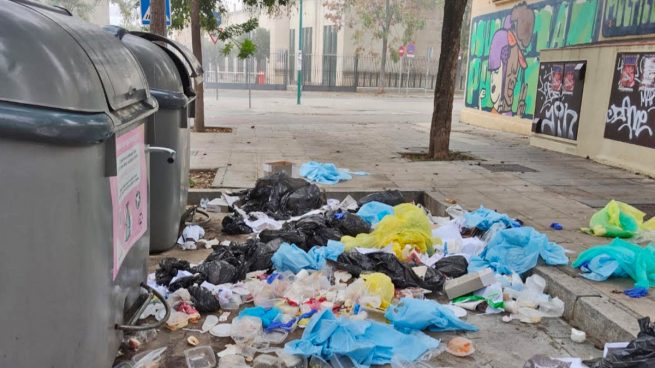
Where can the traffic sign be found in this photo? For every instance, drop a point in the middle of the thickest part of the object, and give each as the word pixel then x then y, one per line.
pixel 411 49
pixel 145 12
pixel 401 51
pixel 213 35
pixel 217 16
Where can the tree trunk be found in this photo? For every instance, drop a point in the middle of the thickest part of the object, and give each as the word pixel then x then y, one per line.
pixel 445 86
pixel 385 44
pixel 199 123
pixel 158 17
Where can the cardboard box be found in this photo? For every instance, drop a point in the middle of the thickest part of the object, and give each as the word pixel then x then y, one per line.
pixel 469 283
pixel 274 167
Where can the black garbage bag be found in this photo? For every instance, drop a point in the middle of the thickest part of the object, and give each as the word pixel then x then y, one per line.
pixel 185 282
pixel 203 300
pixel 281 196
pixel 390 197
pixel 348 223
pixel 289 235
pixel 316 231
pixel 305 233
pixel 234 225
pixel 261 259
pixel 401 274
pixel 640 353
pixel 168 268
pixel 218 272
pixel 453 266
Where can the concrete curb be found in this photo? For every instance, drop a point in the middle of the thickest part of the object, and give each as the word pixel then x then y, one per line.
pixel 592 312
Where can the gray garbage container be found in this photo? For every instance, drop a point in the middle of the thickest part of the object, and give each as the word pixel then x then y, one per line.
pixel 73 103
pixel 171 72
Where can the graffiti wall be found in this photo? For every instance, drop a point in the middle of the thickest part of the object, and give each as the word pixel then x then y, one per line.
pixel 559 98
pixel 503 65
pixel 628 17
pixel 631 112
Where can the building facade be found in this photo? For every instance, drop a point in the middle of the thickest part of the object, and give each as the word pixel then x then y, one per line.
pixel 578 76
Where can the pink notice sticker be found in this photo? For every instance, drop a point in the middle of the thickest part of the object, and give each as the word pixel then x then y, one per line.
pixel 129 194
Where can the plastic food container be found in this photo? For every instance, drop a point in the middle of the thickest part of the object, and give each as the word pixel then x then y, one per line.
pixel 200 357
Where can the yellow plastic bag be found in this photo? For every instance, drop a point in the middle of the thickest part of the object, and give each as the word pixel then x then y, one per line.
pixel 379 284
pixel 618 219
pixel 408 228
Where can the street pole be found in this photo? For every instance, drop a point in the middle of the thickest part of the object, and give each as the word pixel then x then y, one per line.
pixel 409 66
pixel 400 76
pixel 299 61
pixel 249 88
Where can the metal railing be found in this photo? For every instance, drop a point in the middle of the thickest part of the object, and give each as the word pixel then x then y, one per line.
pixel 326 72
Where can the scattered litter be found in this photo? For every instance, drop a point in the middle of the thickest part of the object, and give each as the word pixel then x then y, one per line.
pixel 379 285
pixel 192 340
pixel 484 218
pixel 556 226
pixel 210 321
pixel 291 258
pixel 326 173
pixel 275 167
pixel 190 235
pixel 149 359
pixel 469 283
pixel 281 196
pixel 221 330
pixel 460 346
pixel 390 197
pixel 232 361
pixel 200 357
pixel 578 336
pixel 640 352
pixel 365 342
pixel 224 316
pixel 373 212
pixel 618 219
pixel 415 314
pixel 518 250
pixel 620 259
pixel 400 273
pixel 531 304
pixel 407 229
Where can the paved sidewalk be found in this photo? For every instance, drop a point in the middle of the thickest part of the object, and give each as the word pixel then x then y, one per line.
pixel 367 132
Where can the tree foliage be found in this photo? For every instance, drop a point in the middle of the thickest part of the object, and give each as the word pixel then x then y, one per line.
pixel 129 12
pixel 229 35
pixel 80 8
pixel 370 17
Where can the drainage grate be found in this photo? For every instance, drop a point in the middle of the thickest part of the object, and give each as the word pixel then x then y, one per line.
pixel 507 168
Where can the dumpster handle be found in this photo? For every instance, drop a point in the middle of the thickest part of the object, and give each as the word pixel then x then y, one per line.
pixel 131 327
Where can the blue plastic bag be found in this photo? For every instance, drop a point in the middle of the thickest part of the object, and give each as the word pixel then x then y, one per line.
pixel 267 315
pixel 633 260
pixel 373 212
pixel 289 257
pixel 326 173
pixel 484 218
pixel 365 342
pixel 517 250
pixel 418 314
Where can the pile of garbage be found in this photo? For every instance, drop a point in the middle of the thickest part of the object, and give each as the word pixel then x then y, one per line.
pixel 340 269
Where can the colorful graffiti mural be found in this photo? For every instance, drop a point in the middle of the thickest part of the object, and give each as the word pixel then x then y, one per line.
pixel 628 17
pixel 503 65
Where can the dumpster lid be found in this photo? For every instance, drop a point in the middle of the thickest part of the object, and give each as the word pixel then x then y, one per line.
pixel 120 73
pixel 192 69
pixel 160 70
pixel 41 65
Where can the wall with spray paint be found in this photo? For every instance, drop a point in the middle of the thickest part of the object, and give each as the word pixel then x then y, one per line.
pixel 503 65
pixel 616 118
